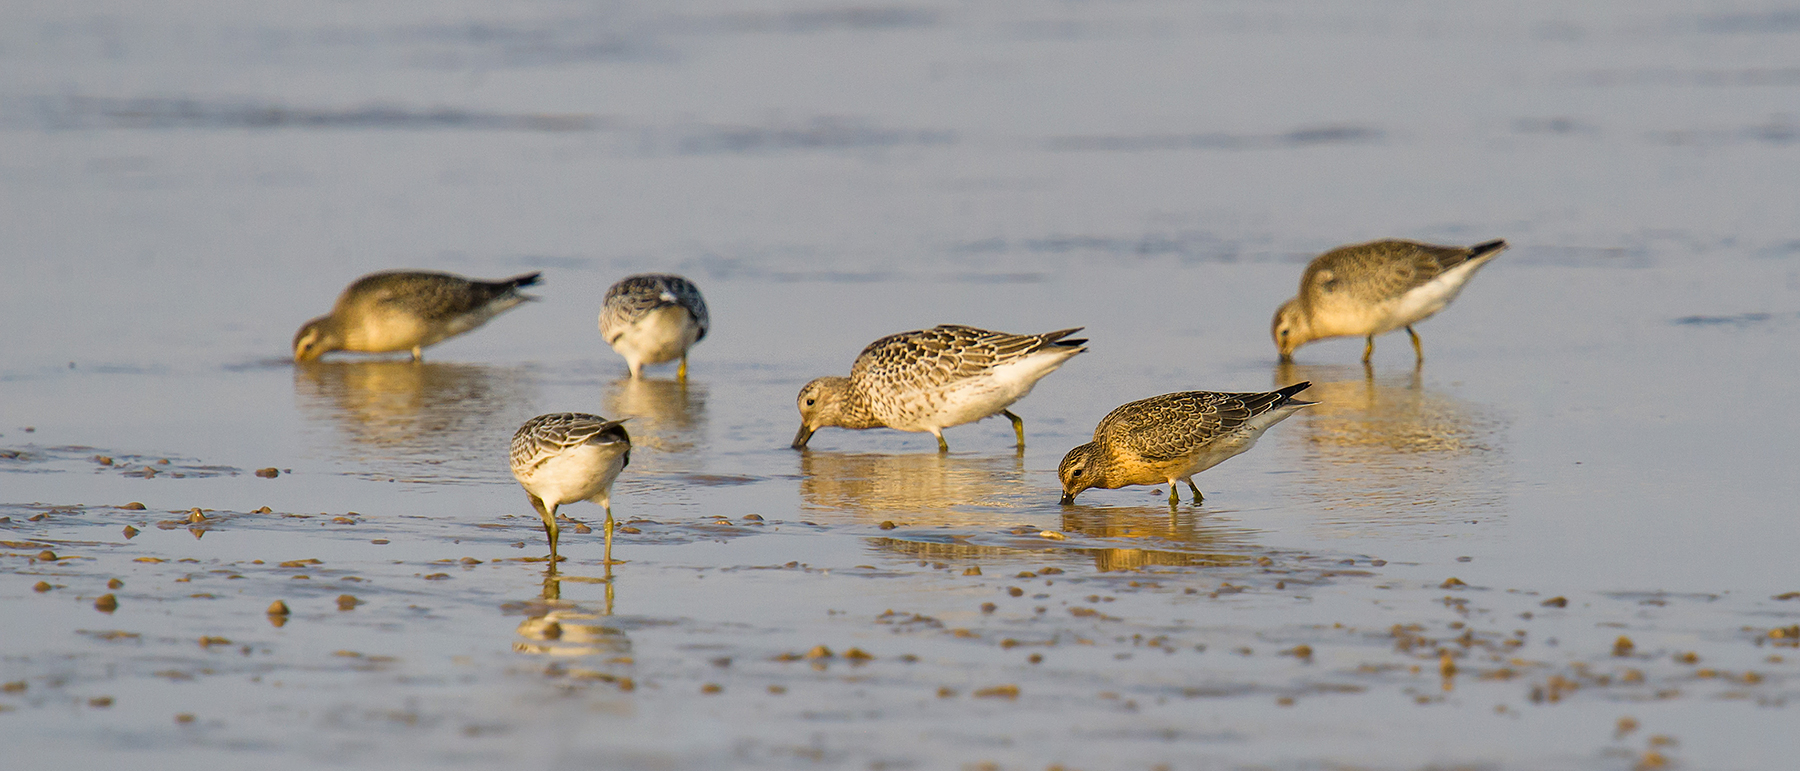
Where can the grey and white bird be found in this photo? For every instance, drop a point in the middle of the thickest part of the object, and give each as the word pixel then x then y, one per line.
pixel 1172 437
pixel 566 457
pixel 931 379
pixel 407 310
pixel 653 318
pixel 1375 288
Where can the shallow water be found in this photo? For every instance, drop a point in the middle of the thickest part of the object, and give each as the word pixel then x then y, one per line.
pixel 1599 418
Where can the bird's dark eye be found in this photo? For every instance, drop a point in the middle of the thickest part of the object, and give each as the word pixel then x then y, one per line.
pixel 809 402
pixel 1075 473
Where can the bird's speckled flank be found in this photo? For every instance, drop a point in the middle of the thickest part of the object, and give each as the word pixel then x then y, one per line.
pixel 407 311
pixel 929 380
pixel 1375 288
pixel 1172 437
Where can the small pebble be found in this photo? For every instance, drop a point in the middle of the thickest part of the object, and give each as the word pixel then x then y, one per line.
pixel 347 602
pixel 277 608
pixel 130 532
pixel 46 556
pixel 100 702
pixel 106 603
pixel 268 473
pixel 41 587
pixel 975 571
pixel 184 718
pixel 115 584
pixel 133 506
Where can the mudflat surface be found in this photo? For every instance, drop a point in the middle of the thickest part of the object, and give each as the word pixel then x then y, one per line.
pixel 1563 542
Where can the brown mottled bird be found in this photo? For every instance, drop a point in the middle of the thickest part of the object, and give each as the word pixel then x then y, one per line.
pixel 931 379
pixel 407 310
pixel 1375 288
pixel 1172 437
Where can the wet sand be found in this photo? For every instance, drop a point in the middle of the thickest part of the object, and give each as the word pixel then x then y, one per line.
pixel 1560 543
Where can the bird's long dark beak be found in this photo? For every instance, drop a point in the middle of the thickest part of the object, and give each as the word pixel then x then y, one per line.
pixel 806 433
pixel 1068 499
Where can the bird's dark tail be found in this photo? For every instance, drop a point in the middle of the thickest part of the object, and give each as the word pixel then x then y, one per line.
pixel 1486 247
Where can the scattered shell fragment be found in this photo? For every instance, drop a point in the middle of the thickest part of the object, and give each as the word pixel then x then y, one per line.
pixel 1555 602
pixel 1625 726
pixel 1052 535
pixel 209 641
pixel 268 473
pixel 1008 691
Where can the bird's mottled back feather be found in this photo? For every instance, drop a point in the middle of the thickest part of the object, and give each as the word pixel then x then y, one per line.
pixel 631 298
pixel 432 296
pixel 929 359
pixel 1172 425
pixel 1379 271
pixel 545 436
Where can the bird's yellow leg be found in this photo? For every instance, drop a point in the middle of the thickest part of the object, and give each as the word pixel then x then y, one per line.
pixel 607 556
pixel 681 372
pixel 942 445
pixel 1369 349
pixel 1418 350
pixel 1197 496
pixel 548 514
pixel 1174 494
pixel 1018 426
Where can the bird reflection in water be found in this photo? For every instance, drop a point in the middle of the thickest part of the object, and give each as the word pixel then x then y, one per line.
pixel 1394 445
pixel 563 629
pixel 920 488
pixel 668 417
pixel 413 420
pixel 1185 538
